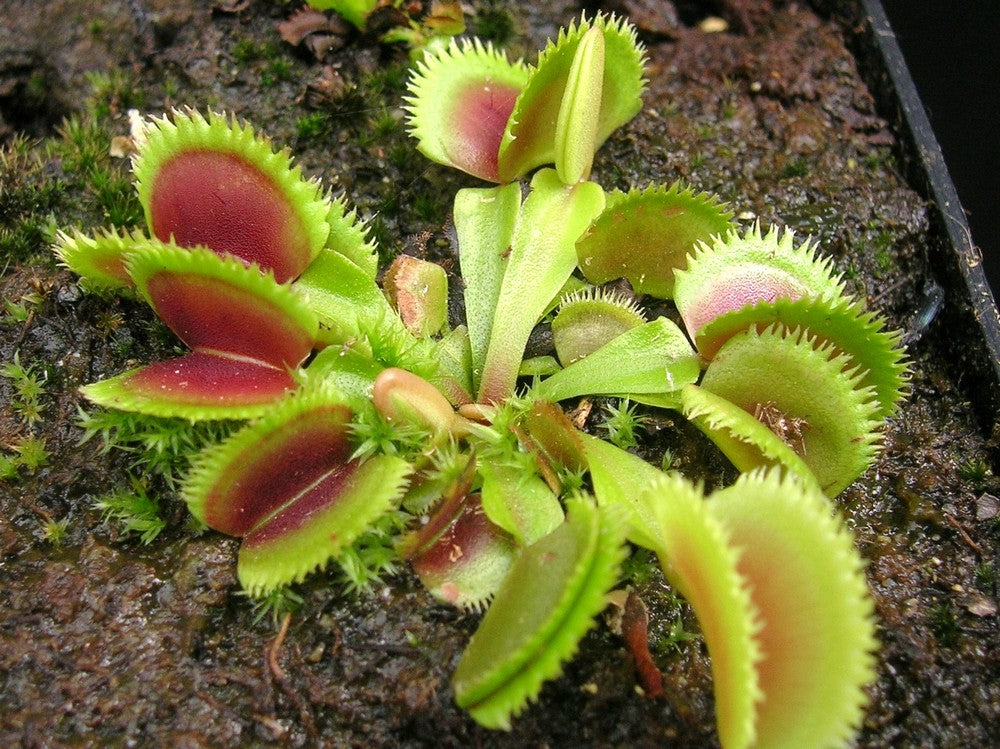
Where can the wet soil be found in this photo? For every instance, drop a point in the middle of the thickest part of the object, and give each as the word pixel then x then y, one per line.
pixel 106 641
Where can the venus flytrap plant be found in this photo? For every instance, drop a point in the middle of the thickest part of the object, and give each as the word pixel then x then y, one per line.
pixel 388 423
pixel 197 178
pixel 813 670
pixel 580 108
pixel 740 435
pixel 461 99
pixel 546 604
pixel 841 321
pixel 580 91
pixel 728 555
pixel 808 394
pixel 739 270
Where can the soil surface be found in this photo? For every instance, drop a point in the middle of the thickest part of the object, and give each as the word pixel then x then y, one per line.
pixel 104 640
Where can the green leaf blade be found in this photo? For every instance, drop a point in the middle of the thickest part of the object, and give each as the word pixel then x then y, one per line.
pixel 542 258
pixel 484 223
pixel 660 360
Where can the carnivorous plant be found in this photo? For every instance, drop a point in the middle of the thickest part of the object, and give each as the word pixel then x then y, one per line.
pixel 363 405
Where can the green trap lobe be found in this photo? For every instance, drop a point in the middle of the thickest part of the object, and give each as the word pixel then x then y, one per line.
pixel 467 562
pixel 480 117
pixel 198 380
pixel 318 523
pixel 644 236
pixel 528 610
pixel 203 197
pixel 745 285
pixel 213 314
pixel 301 456
pixel 297 514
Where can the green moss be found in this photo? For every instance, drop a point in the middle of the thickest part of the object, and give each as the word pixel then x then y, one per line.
pixel 131 511
pixel 640 567
pixel 430 207
pixel 386 124
pixel 274 604
pixel 246 50
pixel 386 82
pixel 880 159
pixel 943 622
pixel 492 22
pixel 158 446
pixel 81 145
pixel 28 382
pixel 112 92
pixel 797 167
pixel 401 156
pixel 974 471
pixel 623 424
pixel 8 467
pixel 116 195
pixel 373 556
pixel 54 531
pixel 985 576
pixel 311 125
pixel 32 453
pixel 276 71
pixel 673 639
pixel 29 198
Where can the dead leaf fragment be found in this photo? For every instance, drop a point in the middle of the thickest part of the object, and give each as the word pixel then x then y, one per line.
pixel 980 605
pixel 635 630
pixel 301 24
pixel 231 6
pixel 987 507
pixel 121 146
pixel 327 87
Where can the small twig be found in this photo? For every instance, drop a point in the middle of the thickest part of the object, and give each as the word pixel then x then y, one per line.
pixel 305 713
pixel 272 652
pixel 962 532
pixel 888 290
pixel 24 330
pixel 277 730
pixel 338 642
